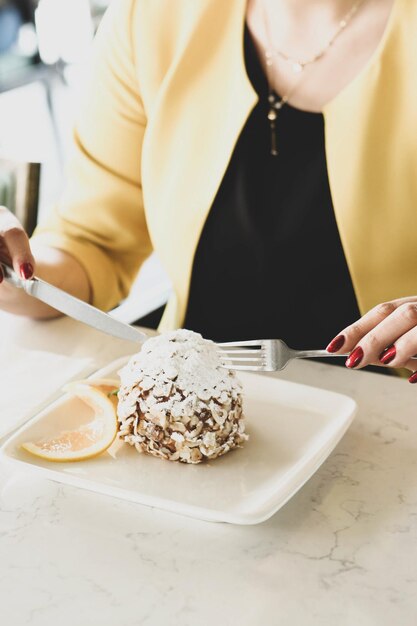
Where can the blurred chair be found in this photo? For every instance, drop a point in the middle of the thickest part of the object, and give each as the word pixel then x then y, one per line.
pixel 19 190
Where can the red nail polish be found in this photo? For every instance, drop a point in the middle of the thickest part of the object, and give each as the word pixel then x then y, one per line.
pixel 354 358
pixel 26 270
pixel 388 355
pixel 336 344
pixel 1 276
pixel 413 378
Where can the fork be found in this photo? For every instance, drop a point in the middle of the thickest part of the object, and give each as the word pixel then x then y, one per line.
pixel 264 355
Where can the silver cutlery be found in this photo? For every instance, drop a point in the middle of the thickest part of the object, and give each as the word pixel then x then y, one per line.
pixel 264 355
pixel 73 307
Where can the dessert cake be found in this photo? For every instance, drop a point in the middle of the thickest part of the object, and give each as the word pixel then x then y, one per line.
pixel 176 401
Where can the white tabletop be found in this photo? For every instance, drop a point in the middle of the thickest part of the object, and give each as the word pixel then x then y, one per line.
pixel 341 552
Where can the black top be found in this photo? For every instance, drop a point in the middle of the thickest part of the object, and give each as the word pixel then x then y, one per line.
pixel 270 262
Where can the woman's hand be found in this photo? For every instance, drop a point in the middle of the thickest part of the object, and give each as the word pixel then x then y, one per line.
pixel 386 336
pixel 15 251
pixel 14 245
pixel 53 265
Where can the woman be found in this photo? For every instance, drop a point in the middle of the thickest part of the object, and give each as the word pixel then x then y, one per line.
pixel 267 151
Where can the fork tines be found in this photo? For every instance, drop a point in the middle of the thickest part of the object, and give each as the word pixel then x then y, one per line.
pixel 243 355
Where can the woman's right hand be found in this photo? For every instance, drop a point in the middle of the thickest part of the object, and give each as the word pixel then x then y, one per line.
pixel 14 251
pixel 14 245
pixel 53 265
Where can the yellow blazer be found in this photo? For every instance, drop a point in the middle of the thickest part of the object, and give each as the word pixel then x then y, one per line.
pixel 167 98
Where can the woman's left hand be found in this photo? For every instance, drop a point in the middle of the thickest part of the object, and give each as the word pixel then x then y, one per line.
pixel 386 336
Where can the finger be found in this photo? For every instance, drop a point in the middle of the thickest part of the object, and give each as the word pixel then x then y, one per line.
pixel 393 341
pixel 16 243
pixel 350 336
pixel 402 352
pixel 413 377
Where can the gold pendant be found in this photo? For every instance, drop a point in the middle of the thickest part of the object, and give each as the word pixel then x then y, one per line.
pixel 274 149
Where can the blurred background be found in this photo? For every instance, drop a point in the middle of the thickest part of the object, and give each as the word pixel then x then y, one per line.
pixel 44 50
pixel 44 46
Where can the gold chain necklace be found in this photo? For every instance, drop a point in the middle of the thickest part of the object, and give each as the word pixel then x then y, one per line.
pixel 298 66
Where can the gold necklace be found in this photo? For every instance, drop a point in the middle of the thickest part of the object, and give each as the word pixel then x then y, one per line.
pixel 298 66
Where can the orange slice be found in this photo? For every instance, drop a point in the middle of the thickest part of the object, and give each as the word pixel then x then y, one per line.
pixel 90 439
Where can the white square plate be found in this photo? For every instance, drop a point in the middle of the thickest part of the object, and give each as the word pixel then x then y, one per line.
pixel 292 428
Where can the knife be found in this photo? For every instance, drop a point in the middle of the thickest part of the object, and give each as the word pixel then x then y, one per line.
pixel 73 307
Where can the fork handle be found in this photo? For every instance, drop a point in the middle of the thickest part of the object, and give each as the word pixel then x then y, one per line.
pixel 308 354
pixel 311 354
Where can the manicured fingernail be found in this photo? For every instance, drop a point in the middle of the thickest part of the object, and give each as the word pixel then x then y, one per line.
pixel 413 378
pixel 1 276
pixel 336 344
pixel 354 358
pixel 26 270
pixel 388 355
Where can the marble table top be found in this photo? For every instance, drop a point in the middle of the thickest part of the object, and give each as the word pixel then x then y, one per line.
pixel 341 552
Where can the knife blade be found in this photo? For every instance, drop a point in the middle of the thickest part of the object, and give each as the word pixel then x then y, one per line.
pixel 73 307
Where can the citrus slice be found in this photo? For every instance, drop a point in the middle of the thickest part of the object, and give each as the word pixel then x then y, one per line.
pixel 107 386
pixel 88 440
